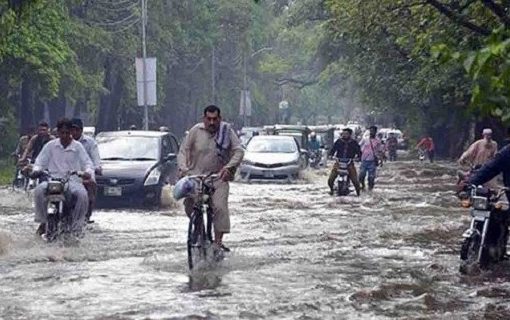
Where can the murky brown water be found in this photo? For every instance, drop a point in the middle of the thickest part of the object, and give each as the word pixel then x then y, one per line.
pixel 298 253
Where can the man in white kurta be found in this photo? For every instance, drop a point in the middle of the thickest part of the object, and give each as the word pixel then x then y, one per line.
pixel 60 157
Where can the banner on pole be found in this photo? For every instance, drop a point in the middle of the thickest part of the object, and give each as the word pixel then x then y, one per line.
pixel 245 105
pixel 150 66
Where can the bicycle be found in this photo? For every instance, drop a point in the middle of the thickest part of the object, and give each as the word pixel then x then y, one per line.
pixel 200 229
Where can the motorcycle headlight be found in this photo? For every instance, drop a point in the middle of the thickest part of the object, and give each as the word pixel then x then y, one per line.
pixel 153 177
pixel 55 187
pixel 343 165
pixel 480 203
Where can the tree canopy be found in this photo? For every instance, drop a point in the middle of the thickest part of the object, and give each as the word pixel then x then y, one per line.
pixel 425 65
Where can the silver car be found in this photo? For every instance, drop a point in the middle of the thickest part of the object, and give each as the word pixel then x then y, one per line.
pixel 272 157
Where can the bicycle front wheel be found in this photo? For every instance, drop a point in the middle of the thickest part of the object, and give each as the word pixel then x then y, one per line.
pixel 196 240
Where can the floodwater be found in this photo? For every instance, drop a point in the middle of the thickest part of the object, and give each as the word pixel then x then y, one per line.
pixel 298 253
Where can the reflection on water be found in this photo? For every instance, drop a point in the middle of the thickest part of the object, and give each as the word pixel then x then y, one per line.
pixel 298 253
pixel 203 281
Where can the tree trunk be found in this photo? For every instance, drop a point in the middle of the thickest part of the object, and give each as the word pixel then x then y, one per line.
pixel 26 106
pixel 104 115
pixel 57 108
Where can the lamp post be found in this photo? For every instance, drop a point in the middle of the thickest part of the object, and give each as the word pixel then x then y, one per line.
pixel 244 96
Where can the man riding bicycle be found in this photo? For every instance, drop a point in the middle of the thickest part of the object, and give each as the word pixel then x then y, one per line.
pixel 212 147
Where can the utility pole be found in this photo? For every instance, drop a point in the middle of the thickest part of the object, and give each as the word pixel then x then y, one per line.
pixel 213 75
pixel 144 58
pixel 245 91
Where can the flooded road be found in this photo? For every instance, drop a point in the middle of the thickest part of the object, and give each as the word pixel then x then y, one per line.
pixel 298 253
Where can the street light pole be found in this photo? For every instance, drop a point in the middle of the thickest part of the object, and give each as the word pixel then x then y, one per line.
pixel 144 63
pixel 245 91
pixel 213 75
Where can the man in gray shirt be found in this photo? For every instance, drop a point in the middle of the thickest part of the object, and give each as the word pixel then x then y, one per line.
pixel 90 146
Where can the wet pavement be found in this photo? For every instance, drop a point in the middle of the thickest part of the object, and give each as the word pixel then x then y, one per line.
pixel 298 253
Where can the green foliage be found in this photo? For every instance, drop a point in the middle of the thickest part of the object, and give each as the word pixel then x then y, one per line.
pixel 34 43
pixel 423 64
pixel 6 171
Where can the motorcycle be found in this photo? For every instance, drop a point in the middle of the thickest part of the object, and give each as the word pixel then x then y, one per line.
pixel 59 204
pixel 20 181
pixel 486 238
pixel 421 155
pixel 315 158
pixel 25 181
pixel 342 181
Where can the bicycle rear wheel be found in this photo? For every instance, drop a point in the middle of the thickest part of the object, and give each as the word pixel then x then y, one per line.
pixel 196 239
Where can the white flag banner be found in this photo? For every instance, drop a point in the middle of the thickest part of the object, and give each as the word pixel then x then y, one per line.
pixel 245 104
pixel 150 66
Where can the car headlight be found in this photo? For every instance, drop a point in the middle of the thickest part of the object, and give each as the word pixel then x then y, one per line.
pixel 292 163
pixel 153 177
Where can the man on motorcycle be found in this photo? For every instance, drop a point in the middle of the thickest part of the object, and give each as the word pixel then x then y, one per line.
pixel 500 164
pixel 345 148
pixel 372 153
pixel 480 151
pixel 314 147
pixel 314 144
pixel 90 146
pixel 426 144
pixel 392 146
pixel 18 153
pixel 37 142
pixel 60 157
pixel 22 144
pixel 212 147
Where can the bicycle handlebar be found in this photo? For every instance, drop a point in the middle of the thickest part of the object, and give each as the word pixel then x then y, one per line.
pixel 202 177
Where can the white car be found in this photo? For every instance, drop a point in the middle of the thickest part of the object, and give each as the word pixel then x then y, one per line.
pixel 272 157
pixel 89 131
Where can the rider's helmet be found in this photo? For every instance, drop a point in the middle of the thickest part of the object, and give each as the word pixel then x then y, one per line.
pixel 184 188
pixel 313 135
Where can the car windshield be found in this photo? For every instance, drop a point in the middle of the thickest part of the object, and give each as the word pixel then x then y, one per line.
pixel 128 148
pixel 270 145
